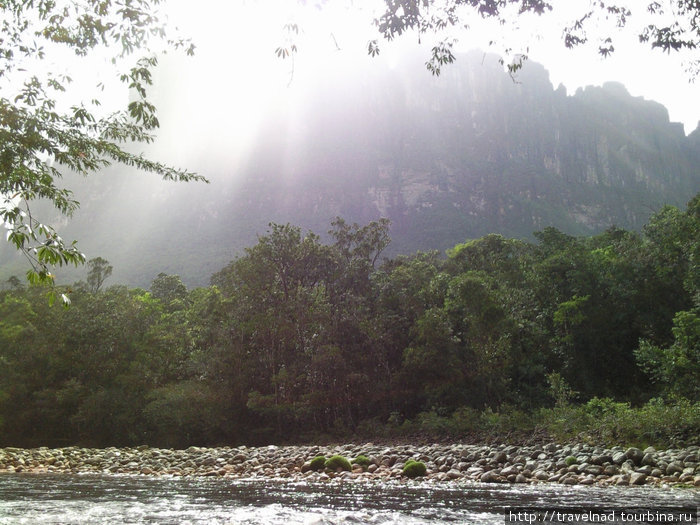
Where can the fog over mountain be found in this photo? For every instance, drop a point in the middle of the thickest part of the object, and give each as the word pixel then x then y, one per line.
pixel 446 159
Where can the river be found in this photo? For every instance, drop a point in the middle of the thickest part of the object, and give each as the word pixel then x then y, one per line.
pixel 108 499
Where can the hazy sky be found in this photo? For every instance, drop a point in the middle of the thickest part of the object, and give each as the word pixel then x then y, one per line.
pixel 243 35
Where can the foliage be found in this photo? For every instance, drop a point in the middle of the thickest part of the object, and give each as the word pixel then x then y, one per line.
pixel 43 135
pixel 442 18
pixel 607 422
pixel 559 389
pixel 179 413
pixel 600 421
pixel 361 460
pixel 297 339
pixel 677 367
pixel 335 463
pixel 673 26
pixel 414 469
pixel 570 460
pixel 168 288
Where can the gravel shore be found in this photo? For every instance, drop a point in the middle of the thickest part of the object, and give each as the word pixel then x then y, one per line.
pixel 551 463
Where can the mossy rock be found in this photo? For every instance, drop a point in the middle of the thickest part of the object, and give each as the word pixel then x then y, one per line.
pixel 318 463
pixel 361 460
pixel 570 460
pixel 338 462
pixel 414 469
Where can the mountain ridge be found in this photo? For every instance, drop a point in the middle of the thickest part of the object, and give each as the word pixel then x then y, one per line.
pixel 445 159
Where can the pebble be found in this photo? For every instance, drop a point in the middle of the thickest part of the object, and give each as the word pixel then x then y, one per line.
pixel 446 463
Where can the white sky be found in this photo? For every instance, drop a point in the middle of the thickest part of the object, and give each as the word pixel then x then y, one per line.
pixel 645 72
pixel 236 40
pixel 244 34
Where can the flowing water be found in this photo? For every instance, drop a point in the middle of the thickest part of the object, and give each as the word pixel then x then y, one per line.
pixel 102 499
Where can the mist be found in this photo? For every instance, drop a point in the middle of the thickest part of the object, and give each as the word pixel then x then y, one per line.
pixel 338 133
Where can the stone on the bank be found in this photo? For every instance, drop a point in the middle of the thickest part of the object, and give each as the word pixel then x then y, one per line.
pixel 500 457
pixel 611 470
pixel 637 478
pixel 635 455
pixel 649 459
pixel 619 458
pixel 593 469
pixel 453 474
pixel 520 478
pixel 507 471
pixel 571 479
pixel 444 462
pixel 674 467
pixel 601 459
pixel 620 479
pixel 490 477
pixel 541 475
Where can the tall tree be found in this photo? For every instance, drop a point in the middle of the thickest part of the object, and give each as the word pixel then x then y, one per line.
pixel 100 270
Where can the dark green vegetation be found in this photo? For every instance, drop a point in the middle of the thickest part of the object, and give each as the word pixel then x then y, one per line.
pixel 414 469
pixel 318 463
pixel 362 461
pixel 338 463
pixel 297 339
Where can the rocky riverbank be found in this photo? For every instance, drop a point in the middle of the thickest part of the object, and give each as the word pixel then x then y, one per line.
pixel 551 463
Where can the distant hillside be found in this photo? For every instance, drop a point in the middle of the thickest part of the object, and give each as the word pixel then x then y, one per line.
pixel 446 159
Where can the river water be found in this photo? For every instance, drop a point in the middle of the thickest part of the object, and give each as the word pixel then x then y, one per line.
pixel 104 499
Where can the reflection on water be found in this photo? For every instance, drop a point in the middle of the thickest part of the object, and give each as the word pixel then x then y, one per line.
pixel 72 499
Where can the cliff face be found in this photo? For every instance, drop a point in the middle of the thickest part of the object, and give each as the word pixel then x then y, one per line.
pixel 474 152
pixel 446 159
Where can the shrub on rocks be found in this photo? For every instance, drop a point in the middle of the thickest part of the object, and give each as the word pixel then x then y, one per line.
pixel 570 460
pixel 338 462
pixel 318 463
pixel 414 469
pixel 362 461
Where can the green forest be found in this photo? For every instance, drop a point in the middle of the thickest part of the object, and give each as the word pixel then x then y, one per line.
pixel 297 340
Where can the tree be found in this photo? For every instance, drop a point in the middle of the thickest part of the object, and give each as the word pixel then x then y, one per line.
pixel 14 283
pixel 100 269
pixel 677 367
pixel 43 135
pixel 168 288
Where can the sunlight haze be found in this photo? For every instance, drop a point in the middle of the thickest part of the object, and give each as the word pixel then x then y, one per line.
pixel 237 41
